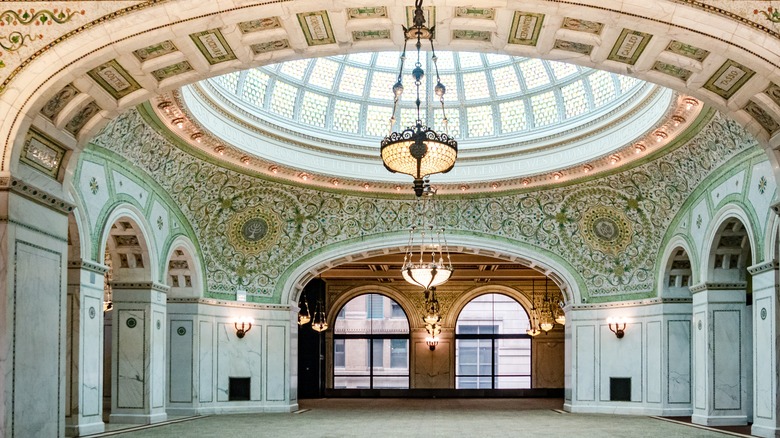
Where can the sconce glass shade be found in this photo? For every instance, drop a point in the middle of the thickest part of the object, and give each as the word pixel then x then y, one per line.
pixel 617 326
pixel 533 331
pixel 560 319
pixel 546 326
pixel 432 342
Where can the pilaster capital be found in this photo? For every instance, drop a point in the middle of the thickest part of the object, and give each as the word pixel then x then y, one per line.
pixel 736 285
pixel 771 265
pixel 88 265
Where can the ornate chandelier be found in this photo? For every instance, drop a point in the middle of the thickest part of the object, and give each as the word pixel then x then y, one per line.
pixel 427 260
pixel 418 150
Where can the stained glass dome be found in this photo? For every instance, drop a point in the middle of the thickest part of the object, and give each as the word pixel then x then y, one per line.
pixel 497 106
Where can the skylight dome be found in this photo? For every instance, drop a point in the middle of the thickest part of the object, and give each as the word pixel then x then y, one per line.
pixel 488 95
pixel 513 117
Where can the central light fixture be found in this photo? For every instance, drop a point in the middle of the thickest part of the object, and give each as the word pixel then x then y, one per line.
pixel 424 259
pixel 418 150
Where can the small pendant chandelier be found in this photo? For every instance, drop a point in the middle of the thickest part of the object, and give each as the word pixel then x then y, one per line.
pixel 546 320
pixel 418 150
pixel 432 318
pixel 303 314
pixel 427 260
pixel 319 321
pixel 533 317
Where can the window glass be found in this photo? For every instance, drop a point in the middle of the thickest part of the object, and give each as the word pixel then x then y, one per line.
pixel 492 350
pixel 371 344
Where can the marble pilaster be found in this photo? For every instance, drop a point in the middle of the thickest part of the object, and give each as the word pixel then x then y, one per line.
pixel 721 340
pixel 84 364
pixel 33 285
pixel 138 383
pixel 766 389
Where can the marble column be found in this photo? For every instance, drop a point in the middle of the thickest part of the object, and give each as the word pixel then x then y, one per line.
pixel 84 364
pixel 33 284
pixel 138 353
pixel 766 352
pixel 721 369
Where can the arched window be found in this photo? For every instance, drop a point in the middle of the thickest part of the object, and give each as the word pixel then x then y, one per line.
pixel 371 344
pixel 492 350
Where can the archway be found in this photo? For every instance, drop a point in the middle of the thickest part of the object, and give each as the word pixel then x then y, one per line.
pixel 81 90
pixel 134 347
pixel 723 334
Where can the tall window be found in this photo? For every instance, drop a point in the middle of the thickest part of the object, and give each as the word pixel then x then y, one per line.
pixel 492 350
pixel 371 344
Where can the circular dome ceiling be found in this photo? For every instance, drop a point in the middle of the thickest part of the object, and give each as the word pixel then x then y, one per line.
pixel 512 116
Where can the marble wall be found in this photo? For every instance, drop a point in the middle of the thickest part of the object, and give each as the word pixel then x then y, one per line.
pixel 33 256
pixel 84 363
pixel 722 340
pixel 654 354
pixel 206 354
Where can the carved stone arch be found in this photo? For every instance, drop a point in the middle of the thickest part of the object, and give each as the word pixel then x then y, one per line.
pixel 730 246
pixel 108 38
pixel 677 271
pixel 310 265
pixel 464 299
pixel 141 251
pixel 413 315
pixel 182 271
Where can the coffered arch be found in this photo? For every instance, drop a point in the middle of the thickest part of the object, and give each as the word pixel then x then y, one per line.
pixel 84 79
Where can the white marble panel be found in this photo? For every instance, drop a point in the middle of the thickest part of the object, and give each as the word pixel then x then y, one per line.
pixel 764 358
pixel 157 359
pixel 160 221
pixel 700 219
pixel 679 361
pixel 276 363
pixel 654 367
pixel 731 186
pixel 293 341
pixel 94 202
pixel 700 360
pixel 238 358
pixel 38 309
pixel 761 192
pixel 727 359
pixel 585 366
pixel 127 186
pixel 432 368
pixel 91 356
pixel 206 362
pixel 131 357
pixel 621 358
pixel 180 365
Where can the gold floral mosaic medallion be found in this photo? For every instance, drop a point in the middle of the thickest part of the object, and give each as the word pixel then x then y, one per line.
pixel 253 230
pixel 606 229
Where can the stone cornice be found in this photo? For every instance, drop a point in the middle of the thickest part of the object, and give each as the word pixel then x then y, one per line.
pixel 718 286
pixel 635 303
pixel 16 185
pixel 763 267
pixel 88 265
pixel 145 285
pixel 225 303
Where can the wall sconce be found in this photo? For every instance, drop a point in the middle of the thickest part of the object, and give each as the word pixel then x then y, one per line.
pixel 432 342
pixel 617 326
pixel 243 325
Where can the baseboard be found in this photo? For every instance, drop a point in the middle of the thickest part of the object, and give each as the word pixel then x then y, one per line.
pixel 765 431
pixel 84 429
pixel 719 420
pixel 137 418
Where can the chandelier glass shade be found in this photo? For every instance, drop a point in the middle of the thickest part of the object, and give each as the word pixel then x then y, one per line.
pixel 418 150
pixel 427 260
pixel 303 314
pixel 319 321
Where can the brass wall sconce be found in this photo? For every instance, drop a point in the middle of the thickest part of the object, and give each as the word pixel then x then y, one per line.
pixel 617 326
pixel 243 325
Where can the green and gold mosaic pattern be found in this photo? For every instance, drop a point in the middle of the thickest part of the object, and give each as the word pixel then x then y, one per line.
pixel 609 229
